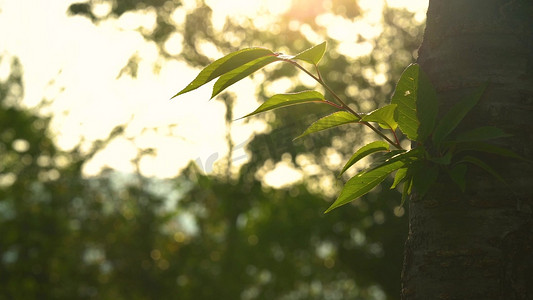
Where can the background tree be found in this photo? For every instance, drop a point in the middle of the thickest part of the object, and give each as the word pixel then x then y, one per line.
pixel 478 245
pixel 114 236
pixel 63 235
pixel 117 236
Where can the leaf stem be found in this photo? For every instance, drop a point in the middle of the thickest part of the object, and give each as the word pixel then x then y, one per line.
pixel 343 105
pixel 334 104
pixel 395 137
pixel 318 72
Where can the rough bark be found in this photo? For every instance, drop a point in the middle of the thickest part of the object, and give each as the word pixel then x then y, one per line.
pixel 478 244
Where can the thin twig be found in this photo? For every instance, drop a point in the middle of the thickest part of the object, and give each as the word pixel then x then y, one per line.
pixel 343 105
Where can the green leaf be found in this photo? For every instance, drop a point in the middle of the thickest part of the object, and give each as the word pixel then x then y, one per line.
pixel 398 155
pixel 405 96
pixel 312 55
pixel 363 183
pixel 417 103
pixel 281 100
pixel 378 161
pixel 224 65
pixel 364 151
pixel 489 148
pixel 443 160
pixel 456 114
pixel 458 175
pixel 426 105
pixel 240 72
pixel 407 188
pixel 333 120
pixel 424 176
pixel 481 134
pixel 384 116
pixel 399 177
pixel 484 166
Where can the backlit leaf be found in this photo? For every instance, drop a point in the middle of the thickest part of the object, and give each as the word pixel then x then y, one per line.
pixel 363 183
pixel 364 151
pixel 333 120
pixel 239 73
pixel 395 155
pixel 399 177
pixel 405 98
pixel 381 159
pixel 281 100
pixel 224 65
pixel 407 189
pixel 312 55
pixel 417 103
pixel 384 116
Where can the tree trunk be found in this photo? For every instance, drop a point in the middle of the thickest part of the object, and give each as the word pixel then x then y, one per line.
pixel 478 244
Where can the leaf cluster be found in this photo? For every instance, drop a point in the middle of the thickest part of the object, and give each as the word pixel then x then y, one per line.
pixel 412 113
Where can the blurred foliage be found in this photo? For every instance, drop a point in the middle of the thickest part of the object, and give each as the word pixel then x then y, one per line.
pixel 65 236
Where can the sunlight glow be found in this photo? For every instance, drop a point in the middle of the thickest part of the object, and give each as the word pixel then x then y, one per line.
pixel 90 98
pixel 101 9
pixel 284 174
pixel 174 45
pixel 263 13
pixel 145 19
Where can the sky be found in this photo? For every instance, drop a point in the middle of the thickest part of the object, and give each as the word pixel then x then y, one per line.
pixel 75 64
